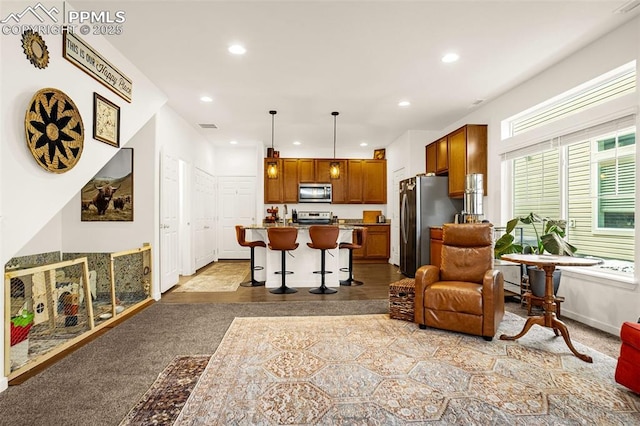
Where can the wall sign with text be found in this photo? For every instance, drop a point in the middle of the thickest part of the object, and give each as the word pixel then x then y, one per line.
pixel 82 55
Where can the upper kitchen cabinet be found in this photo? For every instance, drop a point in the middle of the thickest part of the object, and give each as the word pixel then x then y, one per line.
pixel 467 154
pixel 339 185
pixel 442 156
pixel 374 185
pixel 306 170
pixel 367 181
pixel 290 179
pixel 360 181
pixel 273 185
pixel 354 187
pixel 430 160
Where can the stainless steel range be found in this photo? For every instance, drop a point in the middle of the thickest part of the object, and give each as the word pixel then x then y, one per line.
pixel 314 218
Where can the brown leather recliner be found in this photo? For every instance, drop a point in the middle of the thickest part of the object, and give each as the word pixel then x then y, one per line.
pixel 465 294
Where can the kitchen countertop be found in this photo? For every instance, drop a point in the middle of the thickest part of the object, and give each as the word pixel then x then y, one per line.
pixel 299 226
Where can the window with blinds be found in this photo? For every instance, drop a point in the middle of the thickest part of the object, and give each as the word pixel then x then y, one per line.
pixel 616 83
pixel 588 181
pixel 614 160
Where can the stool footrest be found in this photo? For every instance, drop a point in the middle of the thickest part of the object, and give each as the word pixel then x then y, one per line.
pixel 258 268
pixel 285 272
pixel 321 272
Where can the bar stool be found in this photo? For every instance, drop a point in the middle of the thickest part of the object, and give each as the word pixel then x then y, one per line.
pixel 283 239
pixel 359 236
pixel 323 238
pixel 241 232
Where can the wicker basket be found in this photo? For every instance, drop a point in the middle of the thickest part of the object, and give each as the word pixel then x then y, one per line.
pixel 401 299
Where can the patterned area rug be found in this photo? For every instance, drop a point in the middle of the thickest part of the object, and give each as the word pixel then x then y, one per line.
pixel 162 403
pixel 219 277
pixel 369 369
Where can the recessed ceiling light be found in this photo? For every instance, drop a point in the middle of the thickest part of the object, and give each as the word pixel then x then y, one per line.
pixel 206 99
pixel 296 142
pixel 363 144
pixel 237 49
pixel 233 142
pixel 450 57
pixel 404 104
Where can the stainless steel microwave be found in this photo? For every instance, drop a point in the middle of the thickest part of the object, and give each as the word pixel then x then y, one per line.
pixel 314 192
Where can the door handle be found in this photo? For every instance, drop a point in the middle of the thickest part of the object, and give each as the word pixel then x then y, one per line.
pixel 403 213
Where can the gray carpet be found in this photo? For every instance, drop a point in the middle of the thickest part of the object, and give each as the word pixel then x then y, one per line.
pixel 100 382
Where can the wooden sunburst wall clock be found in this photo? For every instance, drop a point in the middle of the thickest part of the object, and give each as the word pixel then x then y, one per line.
pixel 54 130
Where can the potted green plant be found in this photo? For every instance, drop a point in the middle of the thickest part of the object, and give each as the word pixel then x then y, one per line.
pixel 550 240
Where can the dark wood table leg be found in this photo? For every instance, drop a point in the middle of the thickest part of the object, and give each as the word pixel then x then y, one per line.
pixel 560 326
pixel 531 321
pixel 549 318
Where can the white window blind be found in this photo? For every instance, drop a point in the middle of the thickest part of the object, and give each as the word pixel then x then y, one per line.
pixel 616 83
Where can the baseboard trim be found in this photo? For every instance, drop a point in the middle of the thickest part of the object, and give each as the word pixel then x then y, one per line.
pixel 4 384
pixel 611 329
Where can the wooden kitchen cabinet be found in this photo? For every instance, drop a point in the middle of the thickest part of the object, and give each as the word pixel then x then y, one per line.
pixel 374 184
pixel 306 170
pixel 338 186
pixel 435 250
pixel 377 246
pixel 273 187
pixel 290 180
pixel 367 181
pixel 467 154
pixel 442 156
pixel 354 187
pixel 430 159
pixel 360 181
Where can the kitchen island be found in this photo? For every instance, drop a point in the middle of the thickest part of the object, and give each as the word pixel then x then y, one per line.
pixel 305 260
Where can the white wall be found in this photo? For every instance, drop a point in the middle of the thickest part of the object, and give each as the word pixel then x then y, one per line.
pixel 32 196
pixel 49 238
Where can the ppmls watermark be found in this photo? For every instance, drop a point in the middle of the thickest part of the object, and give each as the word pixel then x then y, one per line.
pixel 55 20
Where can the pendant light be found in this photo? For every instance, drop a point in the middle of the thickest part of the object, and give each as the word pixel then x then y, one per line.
pixel 272 166
pixel 334 166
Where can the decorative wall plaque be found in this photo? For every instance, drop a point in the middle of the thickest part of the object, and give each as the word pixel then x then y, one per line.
pixel 35 49
pixel 54 130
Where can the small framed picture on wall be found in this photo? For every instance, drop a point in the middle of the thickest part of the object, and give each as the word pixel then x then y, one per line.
pixel 379 154
pixel 106 121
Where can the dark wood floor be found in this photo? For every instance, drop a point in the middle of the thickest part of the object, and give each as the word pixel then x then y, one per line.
pixel 376 278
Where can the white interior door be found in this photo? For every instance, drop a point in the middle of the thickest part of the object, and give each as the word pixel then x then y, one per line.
pixel 398 175
pixel 204 218
pixel 169 206
pixel 237 207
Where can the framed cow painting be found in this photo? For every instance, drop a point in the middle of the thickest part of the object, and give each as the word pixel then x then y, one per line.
pixel 108 196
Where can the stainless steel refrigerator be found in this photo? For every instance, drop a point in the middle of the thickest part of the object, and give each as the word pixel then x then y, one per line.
pixel 424 202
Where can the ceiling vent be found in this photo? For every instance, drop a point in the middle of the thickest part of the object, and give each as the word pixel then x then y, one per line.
pixel 208 126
